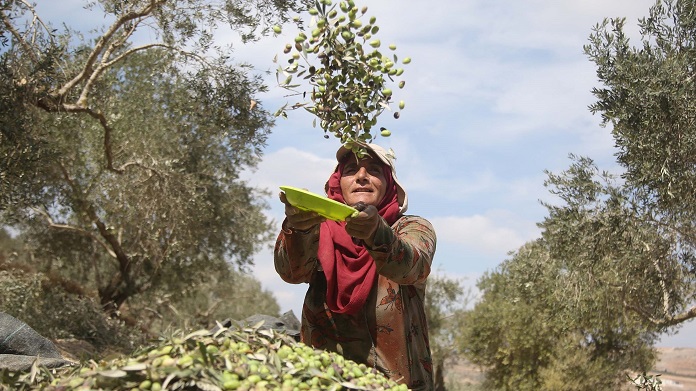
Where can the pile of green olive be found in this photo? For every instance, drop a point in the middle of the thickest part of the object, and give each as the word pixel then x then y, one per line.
pixel 228 359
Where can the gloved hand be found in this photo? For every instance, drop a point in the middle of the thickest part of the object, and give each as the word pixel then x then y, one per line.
pixel 299 220
pixel 364 224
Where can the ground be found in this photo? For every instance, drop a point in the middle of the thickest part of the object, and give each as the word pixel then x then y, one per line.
pixel 676 367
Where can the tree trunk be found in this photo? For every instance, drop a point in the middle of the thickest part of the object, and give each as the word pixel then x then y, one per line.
pixel 439 377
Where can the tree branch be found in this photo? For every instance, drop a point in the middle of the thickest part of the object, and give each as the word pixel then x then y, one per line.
pixel 108 150
pixel 99 47
pixel 93 69
pixel 25 45
pixel 111 240
pixel 663 287
pixel 67 227
pixel 150 46
pixel 20 39
pixel 667 320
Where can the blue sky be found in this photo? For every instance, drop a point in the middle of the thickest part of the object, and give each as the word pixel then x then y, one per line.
pixel 497 92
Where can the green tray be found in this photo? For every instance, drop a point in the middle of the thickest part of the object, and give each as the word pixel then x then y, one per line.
pixel 308 201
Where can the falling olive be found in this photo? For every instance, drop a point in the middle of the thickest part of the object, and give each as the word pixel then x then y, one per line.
pixel 348 83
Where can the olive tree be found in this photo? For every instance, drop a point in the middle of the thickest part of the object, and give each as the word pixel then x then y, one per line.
pixel 138 142
pixel 536 328
pixel 616 264
pixel 445 304
pixel 648 99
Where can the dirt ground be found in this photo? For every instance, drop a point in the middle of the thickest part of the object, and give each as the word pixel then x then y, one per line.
pixel 676 367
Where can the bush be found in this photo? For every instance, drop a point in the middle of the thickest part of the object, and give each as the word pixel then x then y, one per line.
pixel 56 314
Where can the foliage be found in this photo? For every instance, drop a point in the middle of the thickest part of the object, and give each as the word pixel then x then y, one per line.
pixel 21 149
pixel 508 331
pixel 613 253
pixel 227 359
pixel 232 295
pixel 648 98
pixel 348 81
pixel 64 308
pixel 575 367
pixel 445 304
pixel 39 59
pixel 534 329
pixel 35 297
pixel 647 382
pixel 615 265
pixel 135 147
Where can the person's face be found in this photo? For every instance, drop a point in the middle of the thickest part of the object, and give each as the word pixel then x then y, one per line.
pixel 364 181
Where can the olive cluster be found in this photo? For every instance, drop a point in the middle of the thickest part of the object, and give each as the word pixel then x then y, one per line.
pixel 347 73
pixel 228 359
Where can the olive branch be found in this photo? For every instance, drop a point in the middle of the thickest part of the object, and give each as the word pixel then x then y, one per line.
pixel 348 76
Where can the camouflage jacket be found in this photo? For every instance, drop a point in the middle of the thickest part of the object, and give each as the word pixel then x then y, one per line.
pixel 390 333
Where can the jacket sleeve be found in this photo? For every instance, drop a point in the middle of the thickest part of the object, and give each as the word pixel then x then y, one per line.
pixel 404 252
pixel 295 254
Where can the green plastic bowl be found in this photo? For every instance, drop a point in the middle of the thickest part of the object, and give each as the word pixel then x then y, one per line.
pixel 324 206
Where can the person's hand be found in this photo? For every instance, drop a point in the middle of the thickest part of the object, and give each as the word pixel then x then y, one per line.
pixel 297 219
pixel 364 224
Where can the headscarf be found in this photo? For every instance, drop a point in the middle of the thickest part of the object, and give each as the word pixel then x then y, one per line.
pixel 348 267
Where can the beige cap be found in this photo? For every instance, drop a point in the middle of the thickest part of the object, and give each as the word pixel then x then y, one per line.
pixel 387 157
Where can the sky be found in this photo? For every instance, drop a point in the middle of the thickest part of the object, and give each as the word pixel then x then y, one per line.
pixel 497 92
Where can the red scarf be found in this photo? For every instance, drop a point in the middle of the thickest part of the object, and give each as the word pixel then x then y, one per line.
pixel 349 269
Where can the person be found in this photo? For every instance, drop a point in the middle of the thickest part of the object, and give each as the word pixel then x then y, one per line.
pixel 367 275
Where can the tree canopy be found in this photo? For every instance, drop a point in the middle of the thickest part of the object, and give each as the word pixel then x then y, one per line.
pixel 648 99
pixel 445 306
pixel 122 152
pixel 615 266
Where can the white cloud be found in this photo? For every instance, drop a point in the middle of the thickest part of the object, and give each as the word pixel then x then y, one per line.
pixel 290 166
pixel 288 296
pixel 492 234
pixel 467 282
